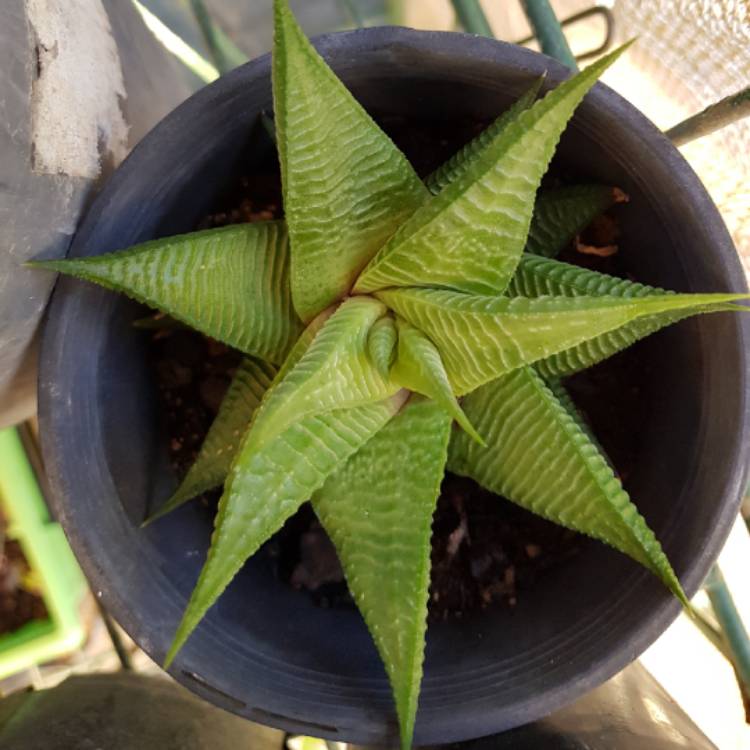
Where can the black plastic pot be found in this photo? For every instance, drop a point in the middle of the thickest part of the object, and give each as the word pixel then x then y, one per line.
pixel 265 651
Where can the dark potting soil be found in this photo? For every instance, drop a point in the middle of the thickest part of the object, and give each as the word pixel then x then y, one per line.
pixel 485 550
pixel 19 603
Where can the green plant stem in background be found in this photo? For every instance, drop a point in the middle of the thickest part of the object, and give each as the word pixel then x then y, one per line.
pixel 225 53
pixel 548 31
pixel 471 16
pixel 712 118
pixel 731 625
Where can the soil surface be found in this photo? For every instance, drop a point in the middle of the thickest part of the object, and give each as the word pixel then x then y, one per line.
pixel 19 603
pixel 485 550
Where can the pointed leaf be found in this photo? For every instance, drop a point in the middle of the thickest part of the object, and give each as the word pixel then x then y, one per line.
pixel 480 338
pixel 335 372
pixel 471 235
pixel 381 344
pixel 419 368
pixel 568 481
pixel 378 511
pixel 267 484
pixel 539 276
pixel 230 283
pixel 562 213
pixel 217 453
pixel 250 385
pixel 560 392
pixel 346 185
pixel 457 165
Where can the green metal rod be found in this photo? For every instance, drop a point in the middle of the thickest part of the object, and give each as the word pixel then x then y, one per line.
pixel 471 16
pixel 713 118
pixel 731 624
pixel 548 31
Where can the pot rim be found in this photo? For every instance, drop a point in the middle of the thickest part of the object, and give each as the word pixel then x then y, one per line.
pixel 55 404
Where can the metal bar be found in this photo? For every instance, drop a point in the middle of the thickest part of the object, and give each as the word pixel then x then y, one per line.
pixel 731 624
pixel 609 30
pixel 712 635
pixel 114 636
pixel 547 30
pixel 712 118
pixel 471 16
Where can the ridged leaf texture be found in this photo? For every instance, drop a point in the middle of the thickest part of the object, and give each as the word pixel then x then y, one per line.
pixel 267 483
pixel 419 368
pixel 335 372
pixel 249 387
pixel 470 236
pixel 569 482
pixel 378 511
pixel 346 185
pixel 538 277
pixel 455 308
pixel 457 165
pixel 230 283
pixel 560 392
pixel 217 453
pixel 481 338
pixel 381 344
pixel 562 213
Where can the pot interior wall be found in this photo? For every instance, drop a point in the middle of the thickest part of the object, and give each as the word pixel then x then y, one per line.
pixel 266 651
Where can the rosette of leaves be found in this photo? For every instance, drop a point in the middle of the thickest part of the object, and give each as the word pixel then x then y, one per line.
pixel 381 311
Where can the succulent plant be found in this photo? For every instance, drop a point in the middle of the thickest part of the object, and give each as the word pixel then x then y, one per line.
pixel 383 309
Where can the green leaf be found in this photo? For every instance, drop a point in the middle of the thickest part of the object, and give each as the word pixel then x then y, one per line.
pixel 471 235
pixel 267 484
pixel 335 372
pixel 562 213
pixel 560 392
pixel 457 165
pixel 568 481
pixel 230 283
pixel 222 442
pixel 481 338
pixel 346 185
pixel 537 277
pixel 378 511
pixel 419 368
pixel 381 344
pixel 250 385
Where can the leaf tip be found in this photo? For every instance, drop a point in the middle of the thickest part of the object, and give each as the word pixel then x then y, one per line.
pixel 45 265
pixel 468 427
pixel 171 654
